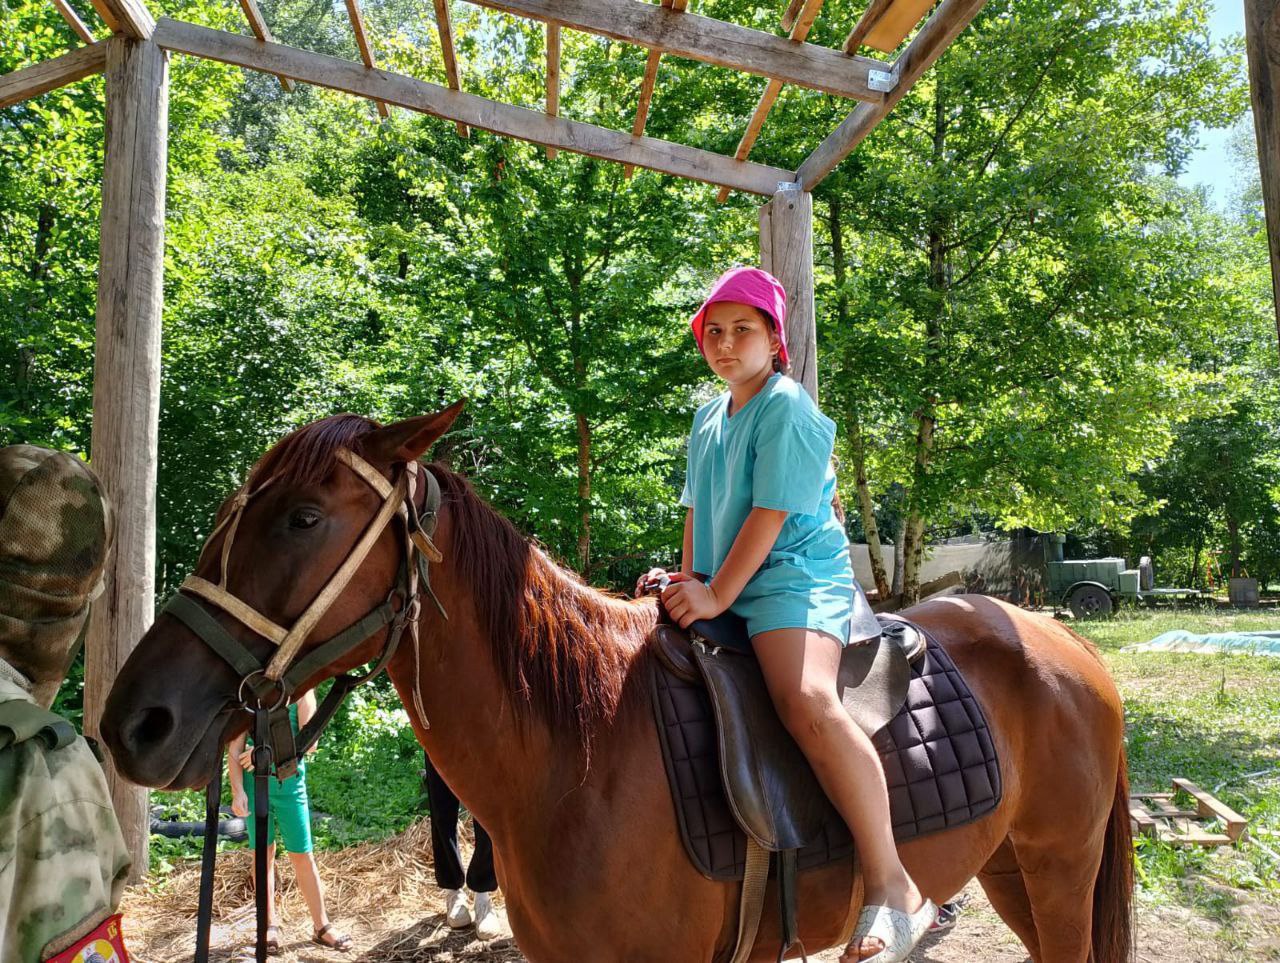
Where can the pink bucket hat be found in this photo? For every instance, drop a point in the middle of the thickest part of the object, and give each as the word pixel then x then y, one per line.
pixel 748 285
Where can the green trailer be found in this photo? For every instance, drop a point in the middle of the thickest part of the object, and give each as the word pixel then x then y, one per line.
pixel 1092 588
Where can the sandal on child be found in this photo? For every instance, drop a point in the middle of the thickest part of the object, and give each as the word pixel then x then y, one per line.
pixel 273 940
pixel 898 932
pixel 341 941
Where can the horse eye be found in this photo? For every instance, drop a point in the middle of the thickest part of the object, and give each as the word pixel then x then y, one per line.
pixel 304 518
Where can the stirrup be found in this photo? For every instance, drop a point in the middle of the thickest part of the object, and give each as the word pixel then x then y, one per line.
pixel 898 932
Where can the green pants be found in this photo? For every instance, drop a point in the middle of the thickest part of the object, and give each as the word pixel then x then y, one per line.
pixel 289 809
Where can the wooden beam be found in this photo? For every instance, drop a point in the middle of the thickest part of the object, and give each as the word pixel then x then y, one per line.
pixel 887 33
pixel 128 17
pixel 444 24
pixel 793 11
pixel 786 252
pixel 934 37
pixel 529 125
pixel 711 41
pixel 1210 807
pixel 553 77
pixel 73 18
pixel 258 24
pixel 647 84
pixel 1262 41
pixel 362 41
pixel 875 10
pixel 801 24
pixel 51 74
pixel 126 383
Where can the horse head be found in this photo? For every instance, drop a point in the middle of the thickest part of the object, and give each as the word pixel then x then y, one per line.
pixel 269 570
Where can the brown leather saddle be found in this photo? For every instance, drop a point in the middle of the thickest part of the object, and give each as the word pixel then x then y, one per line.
pixel 735 771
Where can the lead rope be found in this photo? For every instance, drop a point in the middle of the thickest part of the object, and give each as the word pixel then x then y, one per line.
pixel 261 812
pixel 204 911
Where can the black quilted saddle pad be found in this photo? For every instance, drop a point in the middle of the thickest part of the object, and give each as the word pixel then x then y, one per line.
pixel 939 760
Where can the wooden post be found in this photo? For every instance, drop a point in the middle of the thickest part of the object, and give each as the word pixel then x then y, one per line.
pixel 126 381
pixel 786 252
pixel 1262 39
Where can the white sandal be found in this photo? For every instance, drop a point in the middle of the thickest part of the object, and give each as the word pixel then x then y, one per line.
pixel 897 931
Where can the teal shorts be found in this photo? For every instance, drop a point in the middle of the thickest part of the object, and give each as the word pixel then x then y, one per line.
pixel 289 810
pixel 784 596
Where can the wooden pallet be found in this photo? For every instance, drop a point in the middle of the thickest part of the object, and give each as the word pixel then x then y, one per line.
pixel 1156 814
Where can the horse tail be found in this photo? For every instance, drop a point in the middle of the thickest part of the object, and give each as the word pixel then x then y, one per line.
pixel 1113 887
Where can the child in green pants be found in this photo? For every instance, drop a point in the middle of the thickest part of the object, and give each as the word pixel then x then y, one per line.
pixel 289 811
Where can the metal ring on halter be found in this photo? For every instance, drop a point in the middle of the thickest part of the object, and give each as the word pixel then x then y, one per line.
pixel 412 611
pixel 284 696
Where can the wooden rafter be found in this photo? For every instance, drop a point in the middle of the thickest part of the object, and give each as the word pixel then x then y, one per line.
pixel 71 17
pixel 793 11
pixel 259 27
pixel 444 24
pixel 366 50
pixel 529 125
pixel 934 37
pixel 553 76
pixel 51 74
pixel 805 12
pixel 128 17
pixel 646 85
pixel 711 41
pixel 875 10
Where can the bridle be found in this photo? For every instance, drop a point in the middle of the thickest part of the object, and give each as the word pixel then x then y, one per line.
pixel 266 690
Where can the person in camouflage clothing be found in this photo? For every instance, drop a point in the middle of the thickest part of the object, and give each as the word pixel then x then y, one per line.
pixel 63 860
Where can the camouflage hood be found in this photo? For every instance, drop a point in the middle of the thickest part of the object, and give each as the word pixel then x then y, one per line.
pixel 55 531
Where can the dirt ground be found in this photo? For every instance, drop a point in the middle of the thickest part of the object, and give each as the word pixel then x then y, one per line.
pixel 383 895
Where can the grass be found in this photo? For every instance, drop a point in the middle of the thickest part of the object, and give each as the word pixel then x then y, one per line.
pixel 1215 720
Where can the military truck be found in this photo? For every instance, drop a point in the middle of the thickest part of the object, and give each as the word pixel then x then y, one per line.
pixel 1093 587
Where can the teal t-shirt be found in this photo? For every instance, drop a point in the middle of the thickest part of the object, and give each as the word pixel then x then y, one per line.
pixel 775 452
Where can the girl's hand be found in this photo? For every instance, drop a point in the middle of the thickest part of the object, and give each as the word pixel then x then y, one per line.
pixel 246 760
pixel 240 804
pixel 642 583
pixel 689 600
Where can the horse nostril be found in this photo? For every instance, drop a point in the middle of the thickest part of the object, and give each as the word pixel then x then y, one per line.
pixel 149 728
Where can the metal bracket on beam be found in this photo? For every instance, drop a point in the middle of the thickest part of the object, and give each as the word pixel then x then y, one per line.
pixel 884 81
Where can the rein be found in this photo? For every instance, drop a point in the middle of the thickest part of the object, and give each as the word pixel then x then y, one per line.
pixel 266 690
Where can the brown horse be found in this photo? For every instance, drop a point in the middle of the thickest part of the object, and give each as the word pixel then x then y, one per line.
pixel 537 713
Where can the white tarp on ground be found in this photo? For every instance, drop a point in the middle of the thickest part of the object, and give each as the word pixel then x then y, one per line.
pixel 1239 643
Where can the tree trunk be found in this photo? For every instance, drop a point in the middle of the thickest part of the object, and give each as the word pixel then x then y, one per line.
pixel 1234 546
pixel 584 493
pixel 857 446
pixel 899 557
pixel 913 547
pixel 926 414
pixel 874 550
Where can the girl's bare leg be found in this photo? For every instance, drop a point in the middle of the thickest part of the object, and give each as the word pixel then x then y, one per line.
pixel 272 919
pixel 308 876
pixel 800 668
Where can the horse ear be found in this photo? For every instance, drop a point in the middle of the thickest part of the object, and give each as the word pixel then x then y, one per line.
pixel 409 439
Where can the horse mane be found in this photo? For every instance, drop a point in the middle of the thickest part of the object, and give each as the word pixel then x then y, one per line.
pixel 308 455
pixel 563 649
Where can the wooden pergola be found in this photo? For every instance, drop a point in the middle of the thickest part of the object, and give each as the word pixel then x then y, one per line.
pixel 126 398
